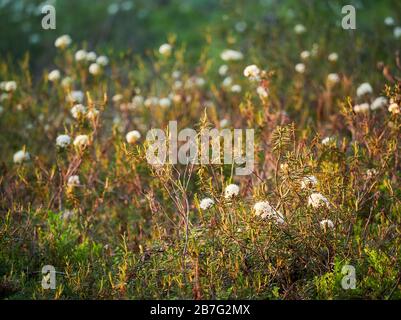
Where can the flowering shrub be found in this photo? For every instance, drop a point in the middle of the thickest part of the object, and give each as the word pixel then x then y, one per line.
pixel 77 191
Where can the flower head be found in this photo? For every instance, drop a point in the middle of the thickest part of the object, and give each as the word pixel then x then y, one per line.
pixel 73 181
pixel 63 41
pixel 364 88
pixel 231 55
pixel 81 141
pixel 165 102
pixel 333 57
pixel 317 200
pixel 300 67
pixel 78 111
pixel 252 71
pixel 308 182
pixel 165 49
pixel 133 136
pixel 231 191
pixel 361 108
pixel 10 86
pixel 80 55
pixel 378 103
pixel 102 60
pixel 63 140
pixel 206 203
pixel 54 75
pixel 95 69
pixel 394 108
pixel 299 29
pixel 21 156
pixel 264 210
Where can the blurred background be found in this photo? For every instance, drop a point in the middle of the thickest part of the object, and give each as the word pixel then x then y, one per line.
pixel 138 25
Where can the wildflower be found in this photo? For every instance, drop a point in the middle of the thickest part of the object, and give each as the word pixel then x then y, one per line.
pixel 206 203
pixel 102 60
pixel 326 223
pixel 165 49
pixel 333 78
pixel 177 84
pixel 299 29
pixel 10 86
pixel 75 96
pixel 264 210
pixel 397 32
pixel 378 103
pixel 394 108
pixel 54 75
pixel 227 81
pixel 308 182
pixel 262 92
pixel 176 74
pixel 361 108
pixel 92 114
pixel 66 82
pixel 137 101
pixel 389 21
pixel 199 81
pixel 328 140
pixel 63 140
pixel 231 191
pixel 73 181
pixel 80 55
pixel 133 136
pixel 63 41
pixel 364 88
pixel 81 141
pixel 333 57
pixel 252 71
pixel 91 56
pixel 165 102
pixel 371 173
pixel 317 200
pixel 231 55
pixel 224 123
pixel 78 110
pixel 151 101
pixel 300 68
pixel 236 88
pixel 95 69
pixel 305 55
pixel 21 156
pixel 223 69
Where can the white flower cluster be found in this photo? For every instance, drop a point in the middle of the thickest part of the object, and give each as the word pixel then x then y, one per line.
pixel 63 41
pixel 21 156
pixel 264 210
pixel 81 141
pixel 8 86
pixel 73 181
pixel 309 182
pixel 232 190
pixel 231 55
pixel 206 203
pixel 317 200
pixel 165 49
pixel 63 140
pixel 133 136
